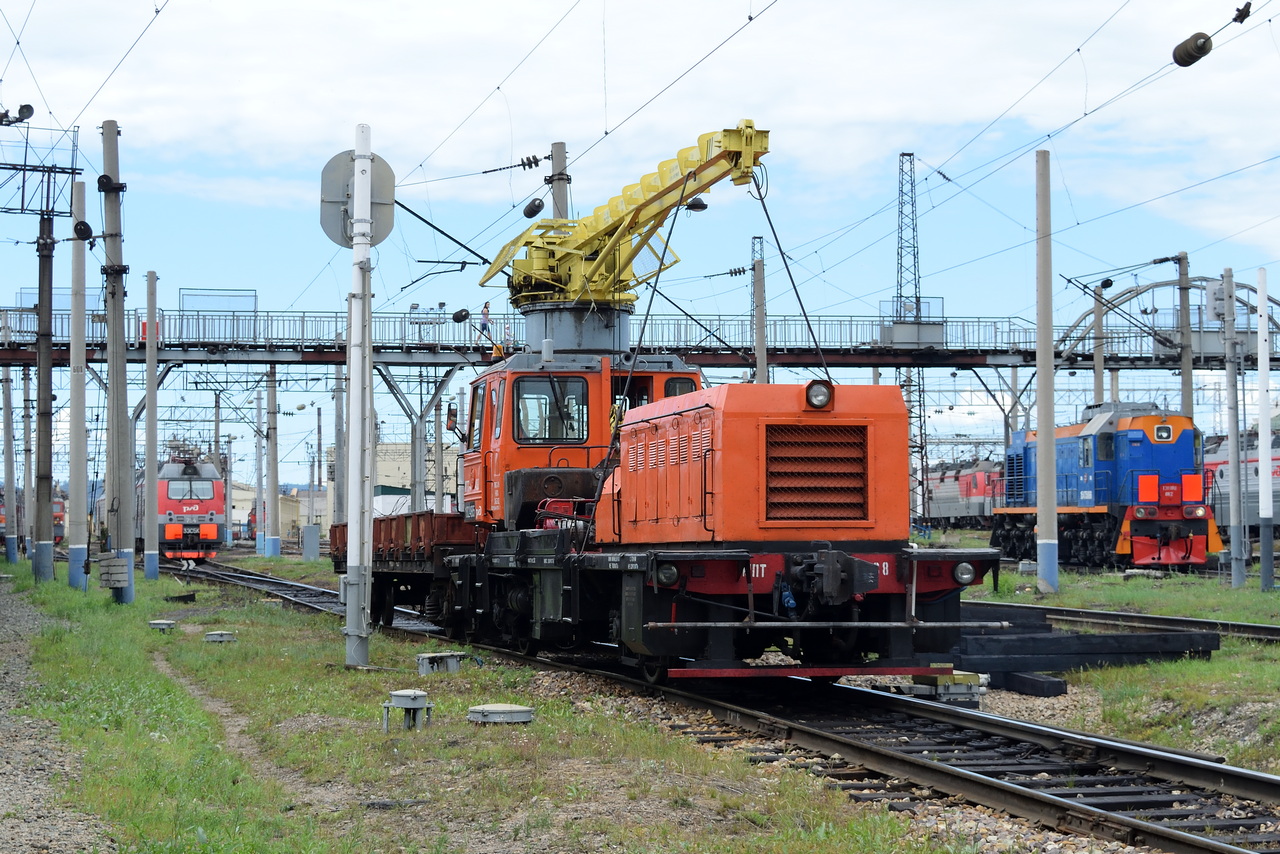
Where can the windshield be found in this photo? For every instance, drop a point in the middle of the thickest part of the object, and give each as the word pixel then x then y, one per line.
pixel 551 409
pixel 186 490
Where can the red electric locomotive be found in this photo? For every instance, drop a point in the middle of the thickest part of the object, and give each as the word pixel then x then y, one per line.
pixel 192 509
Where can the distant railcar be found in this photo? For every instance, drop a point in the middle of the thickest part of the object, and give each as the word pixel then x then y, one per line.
pixel 962 494
pixel 1130 490
pixel 59 508
pixel 1217 478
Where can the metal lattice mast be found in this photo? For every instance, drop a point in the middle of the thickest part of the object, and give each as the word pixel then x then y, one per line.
pixel 908 309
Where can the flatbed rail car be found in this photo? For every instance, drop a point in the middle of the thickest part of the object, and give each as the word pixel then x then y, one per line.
pixel 1130 489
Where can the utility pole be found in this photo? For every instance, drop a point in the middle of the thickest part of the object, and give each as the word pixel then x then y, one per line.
pixel 1233 431
pixel 1099 340
pixel 1266 509
pixel 351 216
pixel 417 461
pixel 28 470
pixel 10 474
pixel 39 181
pixel 361 441
pixel 559 181
pixel 273 469
pixel 339 514
pixel 228 490
pixel 438 505
pixel 1184 318
pixel 757 305
pixel 117 570
pixel 907 309
pixel 260 524
pixel 1046 432
pixel 77 524
pixel 151 458
pixel 42 522
pixel 319 463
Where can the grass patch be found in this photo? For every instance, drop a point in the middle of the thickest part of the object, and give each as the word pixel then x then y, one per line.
pixel 269 745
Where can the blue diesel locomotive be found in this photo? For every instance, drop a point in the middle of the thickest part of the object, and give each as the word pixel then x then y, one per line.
pixel 1130 491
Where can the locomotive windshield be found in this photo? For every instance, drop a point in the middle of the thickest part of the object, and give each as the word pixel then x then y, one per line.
pixel 186 490
pixel 551 409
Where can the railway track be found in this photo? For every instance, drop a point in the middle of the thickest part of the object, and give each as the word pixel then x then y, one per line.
pixel 893 748
pixel 1078 618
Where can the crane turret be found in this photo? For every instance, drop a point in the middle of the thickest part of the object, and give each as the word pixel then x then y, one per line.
pixel 577 278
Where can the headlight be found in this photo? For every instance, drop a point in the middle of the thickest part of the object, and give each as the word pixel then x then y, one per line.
pixel 818 394
pixel 1195 511
pixel 1145 512
pixel 667 574
pixel 964 573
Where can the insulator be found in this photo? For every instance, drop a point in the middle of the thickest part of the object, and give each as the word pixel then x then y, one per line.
pixel 738 271
pixel 1193 50
pixel 534 208
pixel 530 162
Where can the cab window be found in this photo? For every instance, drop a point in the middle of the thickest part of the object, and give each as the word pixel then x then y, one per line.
pixel 477 417
pixel 550 409
pixel 635 392
pixel 496 394
pixel 677 386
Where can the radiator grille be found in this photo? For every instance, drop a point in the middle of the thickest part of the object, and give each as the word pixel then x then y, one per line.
pixel 816 471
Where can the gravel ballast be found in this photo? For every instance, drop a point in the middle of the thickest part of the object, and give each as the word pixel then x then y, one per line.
pixel 36 764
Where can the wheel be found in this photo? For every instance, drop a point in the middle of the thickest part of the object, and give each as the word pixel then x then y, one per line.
pixel 526 644
pixel 654 670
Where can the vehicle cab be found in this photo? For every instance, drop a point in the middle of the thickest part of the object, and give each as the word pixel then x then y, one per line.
pixel 538 430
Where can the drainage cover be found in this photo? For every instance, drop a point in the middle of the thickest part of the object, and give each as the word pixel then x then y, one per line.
pixel 500 713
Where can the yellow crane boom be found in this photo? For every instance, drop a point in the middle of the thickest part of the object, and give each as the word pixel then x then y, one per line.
pixel 592 260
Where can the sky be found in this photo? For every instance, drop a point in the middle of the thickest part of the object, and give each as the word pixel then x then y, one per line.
pixel 229 110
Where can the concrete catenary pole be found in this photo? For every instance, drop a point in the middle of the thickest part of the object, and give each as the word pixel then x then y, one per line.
pixel 1233 429
pixel 28 457
pixel 339 516
pixel 10 472
pixel 758 311
pixel 319 463
pixel 1184 318
pixel 360 438
pixel 1046 462
pixel 228 489
pixel 42 518
pixel 272 497
pixel 260 533
pixel 120 507
pixel 417 461
pixel 77 522
pixel 1266 509
pixel 151 457
pixel 559 181
pixel 1099 343
pixel 438 504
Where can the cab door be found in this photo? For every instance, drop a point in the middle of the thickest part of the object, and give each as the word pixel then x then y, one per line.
pixel 475 468
pixel 1086 479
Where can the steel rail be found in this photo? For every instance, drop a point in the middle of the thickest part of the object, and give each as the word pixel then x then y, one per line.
pixel 1143 622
